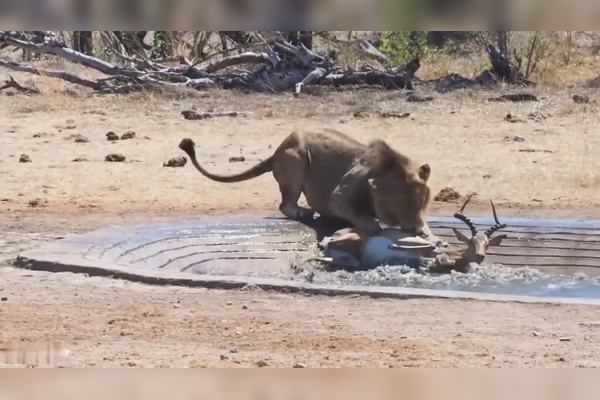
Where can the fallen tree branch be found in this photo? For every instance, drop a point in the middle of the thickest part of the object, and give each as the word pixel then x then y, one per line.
pixel 305 56
pixel 399 79
pixel 244 58
pixel 58 49
pixel 315 75
pixel 290 67
pixel 363 46
pixel 11 83
pixel 193 115
pixel 96 85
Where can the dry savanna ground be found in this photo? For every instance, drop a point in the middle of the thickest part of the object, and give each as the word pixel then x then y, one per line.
pixel 544 162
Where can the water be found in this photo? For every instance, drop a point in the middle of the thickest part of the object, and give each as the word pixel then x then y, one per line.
pixel 277 248
pixel 486 278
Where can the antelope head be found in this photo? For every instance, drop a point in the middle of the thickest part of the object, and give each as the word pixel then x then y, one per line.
pixel 478 243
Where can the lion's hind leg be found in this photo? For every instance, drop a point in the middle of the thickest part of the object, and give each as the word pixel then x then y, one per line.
pixel 289 169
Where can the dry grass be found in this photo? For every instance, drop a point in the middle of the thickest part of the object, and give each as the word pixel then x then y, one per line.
pixel 460 134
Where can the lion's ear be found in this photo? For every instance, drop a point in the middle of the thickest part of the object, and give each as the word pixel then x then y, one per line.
pixel 425 172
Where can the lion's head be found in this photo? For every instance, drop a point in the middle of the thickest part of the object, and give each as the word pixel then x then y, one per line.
pixel 399 192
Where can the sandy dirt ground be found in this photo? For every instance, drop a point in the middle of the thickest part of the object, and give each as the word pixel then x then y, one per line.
pixel 554 172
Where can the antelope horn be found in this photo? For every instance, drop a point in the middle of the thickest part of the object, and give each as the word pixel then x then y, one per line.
pixel 459 215
pixel 497 226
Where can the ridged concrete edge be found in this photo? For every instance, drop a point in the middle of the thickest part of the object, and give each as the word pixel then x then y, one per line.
pixel 37 260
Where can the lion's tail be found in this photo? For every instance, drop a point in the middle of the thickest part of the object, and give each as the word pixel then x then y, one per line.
pixel 262 167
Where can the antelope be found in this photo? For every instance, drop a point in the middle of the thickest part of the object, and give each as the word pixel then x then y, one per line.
pixel 348 248
pixel 477 244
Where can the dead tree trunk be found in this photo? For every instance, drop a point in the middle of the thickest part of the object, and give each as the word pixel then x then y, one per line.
pixel 503 66
pixel 82 42
pixel 300 37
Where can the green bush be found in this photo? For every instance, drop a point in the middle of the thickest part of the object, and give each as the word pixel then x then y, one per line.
pixel 403 46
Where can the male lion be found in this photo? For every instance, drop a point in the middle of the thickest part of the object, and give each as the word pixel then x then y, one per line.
pixel 342 178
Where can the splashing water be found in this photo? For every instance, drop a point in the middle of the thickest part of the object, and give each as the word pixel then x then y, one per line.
pixel 488 278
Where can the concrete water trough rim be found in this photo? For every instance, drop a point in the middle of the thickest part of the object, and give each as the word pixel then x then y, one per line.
pixel 167 278
pixel 55 258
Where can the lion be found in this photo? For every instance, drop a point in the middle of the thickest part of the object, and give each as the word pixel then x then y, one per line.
pixel 342 178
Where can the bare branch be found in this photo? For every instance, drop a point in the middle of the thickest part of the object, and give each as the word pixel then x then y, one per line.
pixel 96 85
pixel 60 50
pixel 244 58
pixel 11 83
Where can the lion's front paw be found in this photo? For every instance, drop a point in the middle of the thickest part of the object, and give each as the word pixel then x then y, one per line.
pixel 304 213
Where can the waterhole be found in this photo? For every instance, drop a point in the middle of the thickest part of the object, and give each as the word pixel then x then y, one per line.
pixel 539 258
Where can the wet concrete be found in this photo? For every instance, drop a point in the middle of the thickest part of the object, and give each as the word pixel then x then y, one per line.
pixel 275 252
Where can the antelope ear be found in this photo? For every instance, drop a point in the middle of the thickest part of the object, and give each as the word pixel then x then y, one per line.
pixel 460 236
pixel 496 240
pixel 424 172
pixel 373 184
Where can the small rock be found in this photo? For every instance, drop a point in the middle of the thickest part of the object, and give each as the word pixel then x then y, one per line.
pixel 447 195
pixel 24 158
pixel 244 307
pixel 111 136
pixel 515 97
pixel 487 176
pixel 4 299
pixel 115 158
pixel 579 99
pixel 33 203
pixel 261 364
pixel 233 351
pixel 418 98
pixel 512 118
pixel 515 139
pixel 223 357
pixel 78 138
pixel 299 365
pixel 538 116
pixel 229 303
pixel 561 359
pixel 128 135
pixel 176 162
pixel 564 339
pixel 79 159
pixel 237 159
pixel 176 305
pixel 360 114
pixel 394 115
pixel 535 334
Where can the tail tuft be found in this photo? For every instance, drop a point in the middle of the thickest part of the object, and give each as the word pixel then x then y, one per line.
pixel 188 145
